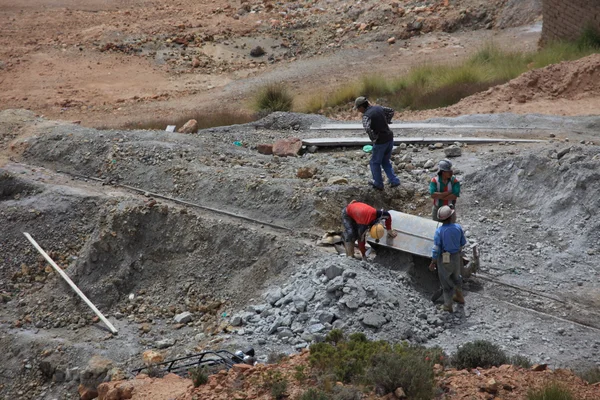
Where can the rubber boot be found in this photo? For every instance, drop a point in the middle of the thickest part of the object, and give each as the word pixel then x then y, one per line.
pixel 458 296
pixel 349 249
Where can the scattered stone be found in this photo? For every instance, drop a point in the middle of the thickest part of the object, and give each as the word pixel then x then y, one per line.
pixel 265 149
pixel 183 318
pixel 391 40
pixel 539 367
pixel 491 386
pixel 399 393
pixel 150 357
pixel 374 320
pixel 287 147
pixel 164 343
pixel 306 172
pixel 257 51
pixel 337 180
pixel 189 127
pixel 453 151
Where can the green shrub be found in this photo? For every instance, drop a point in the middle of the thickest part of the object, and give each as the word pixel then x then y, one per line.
pixel 479 353
pixel 276 383
pixel 347 359
pixel 278 389
pixel 521 361
pixel 273 97
pixel 410 369
pixel 590 375
pixel 346 393
pixel 334 336
pixel 199 376
pixel 552 391
pixel 314 394
pixel 299 375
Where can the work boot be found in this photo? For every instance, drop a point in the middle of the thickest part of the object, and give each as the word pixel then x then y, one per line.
pixel 349 249
pixel 458 296
pixel 447 307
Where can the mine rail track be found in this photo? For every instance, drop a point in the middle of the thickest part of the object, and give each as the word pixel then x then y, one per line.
pixel 586 316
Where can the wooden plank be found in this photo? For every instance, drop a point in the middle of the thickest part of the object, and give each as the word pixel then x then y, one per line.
pixel 361 141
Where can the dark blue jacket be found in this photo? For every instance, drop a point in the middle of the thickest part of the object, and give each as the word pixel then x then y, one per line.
pixel 375 121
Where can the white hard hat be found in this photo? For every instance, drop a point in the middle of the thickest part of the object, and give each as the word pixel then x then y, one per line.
pixel 444 213
pixel 445 165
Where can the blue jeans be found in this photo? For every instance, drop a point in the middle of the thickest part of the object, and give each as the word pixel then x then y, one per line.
pixel 380 158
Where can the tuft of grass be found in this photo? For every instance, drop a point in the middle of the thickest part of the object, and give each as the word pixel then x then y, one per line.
pixel 552 391
pixel 521 361
pixel 276 358
pixel 205 120
pixel 431 86
pixel 479 353
pixel 346 393
pixel 590 375
pixel 273 97
pixel 276 383
pixel 589 38
pixel 314 394
pixel 199 376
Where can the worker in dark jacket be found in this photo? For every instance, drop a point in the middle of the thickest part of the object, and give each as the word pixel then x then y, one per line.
pixel 357 219
pixel 376 120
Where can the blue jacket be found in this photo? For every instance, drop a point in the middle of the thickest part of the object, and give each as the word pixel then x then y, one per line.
pixel 448 238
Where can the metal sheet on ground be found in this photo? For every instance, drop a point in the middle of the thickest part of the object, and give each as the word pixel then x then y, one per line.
pixel 415 234
pixel 361 141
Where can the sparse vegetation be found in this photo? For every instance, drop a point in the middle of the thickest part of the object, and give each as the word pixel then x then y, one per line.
pixel 276 383
pixel 590 375
pixel 432 86
pixel 521 361
pixel 199 376
pixel 273 97
pixel 552 391
pixel 205 120
pixel 299 374
pixel 479 353
pixel 314 394
pixel 408 369
pixel 275 358
pixel 346 393
pixel 356 359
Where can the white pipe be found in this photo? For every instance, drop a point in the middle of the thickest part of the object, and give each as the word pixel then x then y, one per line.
pixel 70 282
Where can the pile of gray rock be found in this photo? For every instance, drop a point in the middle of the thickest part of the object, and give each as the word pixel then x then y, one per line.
pixel 336 292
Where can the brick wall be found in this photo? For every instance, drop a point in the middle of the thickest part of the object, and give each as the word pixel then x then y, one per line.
pixel 565 19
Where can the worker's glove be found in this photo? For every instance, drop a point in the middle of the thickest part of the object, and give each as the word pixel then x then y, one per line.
pixel 392 233
pixel 432 266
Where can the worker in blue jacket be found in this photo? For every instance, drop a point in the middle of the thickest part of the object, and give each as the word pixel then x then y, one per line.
pixel 446 257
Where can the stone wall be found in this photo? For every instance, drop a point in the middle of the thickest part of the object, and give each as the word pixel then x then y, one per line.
pixel 565 19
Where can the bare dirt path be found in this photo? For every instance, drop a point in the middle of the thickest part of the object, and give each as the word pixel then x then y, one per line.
pixel 112 63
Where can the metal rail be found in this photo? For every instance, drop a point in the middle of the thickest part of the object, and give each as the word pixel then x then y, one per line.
pixel 182 365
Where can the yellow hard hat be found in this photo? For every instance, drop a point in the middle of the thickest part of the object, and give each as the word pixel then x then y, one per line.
pixel 377 231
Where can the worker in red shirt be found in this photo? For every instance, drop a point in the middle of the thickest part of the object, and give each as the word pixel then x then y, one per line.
pixel 357 219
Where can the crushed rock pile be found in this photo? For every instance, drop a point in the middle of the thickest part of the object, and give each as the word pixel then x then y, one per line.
pixel 335 292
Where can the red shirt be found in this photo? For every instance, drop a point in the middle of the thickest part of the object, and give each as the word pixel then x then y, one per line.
pixel 364 214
